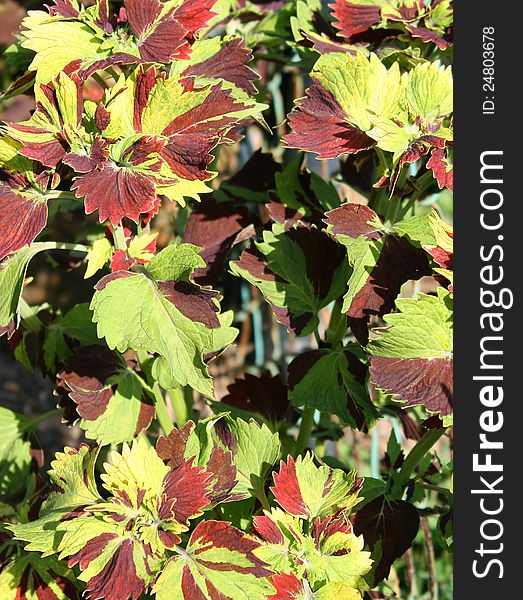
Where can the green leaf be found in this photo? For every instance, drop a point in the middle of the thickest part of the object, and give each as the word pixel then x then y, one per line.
pixel 421 329
pixel 31 577
pixel 332 381
pixel 98 255
pixel 73 475
pixel 299 271
pixel 176 261
pixel 429 91
pixel 364 87
pixel 153 324
pixel 50 37
pixel 12 274
pixel 15 453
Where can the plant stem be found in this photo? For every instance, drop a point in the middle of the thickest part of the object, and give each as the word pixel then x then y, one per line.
pixel 424 182
pixel 162 414
pixel 119 238
pixel 29 317
pixel 317 337
pixel 70 247
pixel 337 325
pixel 307 423
pixel 40 419
pixel 61 195
pixel 418 452
pixel 429 552
pixel 182 404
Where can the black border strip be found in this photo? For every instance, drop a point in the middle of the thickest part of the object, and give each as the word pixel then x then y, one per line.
pixel 477 131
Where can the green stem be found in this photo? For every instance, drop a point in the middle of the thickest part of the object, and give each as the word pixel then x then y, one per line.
pixel 307 423
pixel 162 414
pixel 70 247
pixel 29 317
pixel 259 492
pixel 40 419
pixel 317 337
pixel 421 185
pixel 417 453
pixel 182 404
pixel 99 80
pixel 337 325
pixel 119 238
pixel 395 200
pixel 61 195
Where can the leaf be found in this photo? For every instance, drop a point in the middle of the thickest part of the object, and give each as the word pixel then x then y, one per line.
pixel 76 324
pixel 289 587
pixel 98 256
pixel 15 453
pixel 442 165
pixel 219 560
pixel 349 92
pixel 72 475
pixel 299 271
pixel 174 449
pixel 328 553
pixel 109 397
pixel 265 395
pixel 50 37
pixel 254 449
pixel 55 126
pixel 31 577
pixel 381 261
pixel 301 195
pixel 12 274
pixel 429 91
pixel 412 359
pixel 332 381
pixel 305 490
pixel 172 318
pixel 216 227
pixel 389 528
pixel 23 216
pixel 113 564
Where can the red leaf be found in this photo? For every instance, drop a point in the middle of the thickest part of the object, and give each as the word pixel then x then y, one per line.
pixel 416 381
pixel 188 486
pixel 351 19
pixel 195 14
pixel 21 219
pixel 439 164
pixel 287 586
pixel 287 491
pixel 319 125
pixel 118 579
pixel 228 63
pixel 116 192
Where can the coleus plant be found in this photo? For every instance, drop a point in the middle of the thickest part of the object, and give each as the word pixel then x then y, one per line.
pixel 252 493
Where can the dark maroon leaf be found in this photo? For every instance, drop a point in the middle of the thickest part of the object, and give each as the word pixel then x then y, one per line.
pixel 416 381
pixel 216 227
pixel 192 301
pixel 266 395
pixel 389 527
